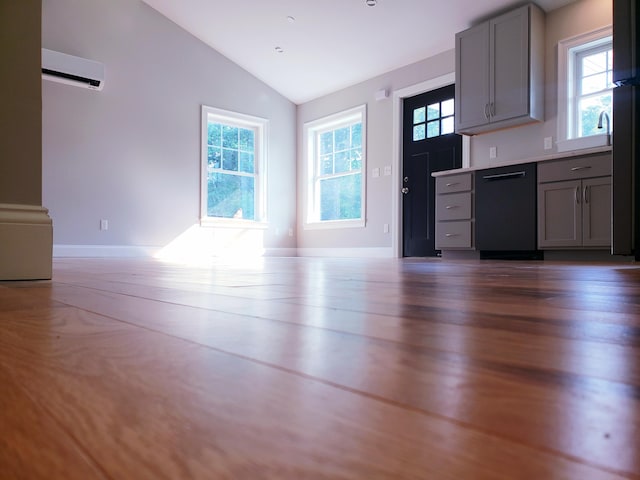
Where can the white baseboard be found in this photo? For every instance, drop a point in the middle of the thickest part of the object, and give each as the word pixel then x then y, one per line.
pixel 132 251
pixel 26 238
pixel 370 252
pixel 104 251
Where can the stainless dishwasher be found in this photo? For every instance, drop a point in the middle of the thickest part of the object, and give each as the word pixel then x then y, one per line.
pixel 506 221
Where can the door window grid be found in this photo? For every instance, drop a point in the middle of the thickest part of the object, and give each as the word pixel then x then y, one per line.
pixel 433 120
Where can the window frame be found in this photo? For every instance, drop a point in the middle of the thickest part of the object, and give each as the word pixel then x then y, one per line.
pixel 260 127
pixel 568 51
pixel 311 132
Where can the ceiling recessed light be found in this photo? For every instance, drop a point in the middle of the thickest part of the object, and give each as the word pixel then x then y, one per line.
pixel 371 3
pixel 291 19
pixel 279 49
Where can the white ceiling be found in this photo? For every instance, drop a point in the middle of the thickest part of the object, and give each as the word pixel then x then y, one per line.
pixel 332 43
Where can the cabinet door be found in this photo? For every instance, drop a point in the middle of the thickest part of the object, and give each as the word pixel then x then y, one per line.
pixel 596 212
pixel 509 73
pixel 472 77
pixel 559 214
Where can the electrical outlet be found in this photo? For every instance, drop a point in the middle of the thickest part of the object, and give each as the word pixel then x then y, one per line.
pixel 104 224
pixel 493 152
pixel 548 143
pixel 376 173
pixel 385 228
pixel 387 170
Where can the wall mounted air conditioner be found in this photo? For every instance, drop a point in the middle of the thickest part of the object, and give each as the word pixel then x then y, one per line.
pixel 71 70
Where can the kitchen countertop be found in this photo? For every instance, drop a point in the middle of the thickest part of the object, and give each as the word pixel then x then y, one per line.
pixel 542 158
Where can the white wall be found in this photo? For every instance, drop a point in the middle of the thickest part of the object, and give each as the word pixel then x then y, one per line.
pixel 131 153
pixel 380 124
pixel 512 144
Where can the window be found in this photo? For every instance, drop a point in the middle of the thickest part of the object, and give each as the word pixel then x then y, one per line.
pixel 585 82
pixel 233 173
pixel 433 120
pixel 335 148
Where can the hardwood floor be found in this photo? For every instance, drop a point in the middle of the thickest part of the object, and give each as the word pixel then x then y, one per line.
pixel 303 368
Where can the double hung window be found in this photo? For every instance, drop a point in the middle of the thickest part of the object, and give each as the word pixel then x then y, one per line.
pixel 336 153
pixel 233 167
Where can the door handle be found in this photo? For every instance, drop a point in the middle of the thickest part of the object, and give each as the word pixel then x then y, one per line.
pixel 405 190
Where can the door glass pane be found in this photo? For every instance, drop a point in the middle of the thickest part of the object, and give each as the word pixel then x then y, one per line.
pixel 447 125
pixel 447 107
pixel 418 132
pixel 433 111
pixel 419 115
pixel 433 129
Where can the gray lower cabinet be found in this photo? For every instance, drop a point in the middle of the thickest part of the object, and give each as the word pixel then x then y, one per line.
pixel 454 211
pixel 499 70
pixel 574 206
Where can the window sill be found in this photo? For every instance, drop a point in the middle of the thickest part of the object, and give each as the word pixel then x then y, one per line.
pixel 334 224
pixel 591 141
pixel 232 223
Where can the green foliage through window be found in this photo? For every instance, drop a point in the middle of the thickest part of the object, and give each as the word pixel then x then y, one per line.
pixel 231 171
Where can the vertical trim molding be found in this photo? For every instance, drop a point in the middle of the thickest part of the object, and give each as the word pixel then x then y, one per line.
pixel 26 242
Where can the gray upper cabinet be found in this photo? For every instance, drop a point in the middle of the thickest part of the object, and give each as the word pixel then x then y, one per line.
pixel 499 72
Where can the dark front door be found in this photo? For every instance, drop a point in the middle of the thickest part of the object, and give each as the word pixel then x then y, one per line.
pixel 429 145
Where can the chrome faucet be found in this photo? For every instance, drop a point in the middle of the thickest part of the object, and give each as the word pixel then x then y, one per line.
pixel 605 115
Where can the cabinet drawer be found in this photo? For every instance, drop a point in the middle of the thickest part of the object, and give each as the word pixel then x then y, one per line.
pixel 580 167
pixel 456 206
pixel 453 234
pixel 454 183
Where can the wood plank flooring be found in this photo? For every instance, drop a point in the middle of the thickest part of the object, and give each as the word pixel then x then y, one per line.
pixel 307 368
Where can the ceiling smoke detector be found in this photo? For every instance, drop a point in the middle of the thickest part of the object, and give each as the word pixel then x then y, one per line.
pixel 371 3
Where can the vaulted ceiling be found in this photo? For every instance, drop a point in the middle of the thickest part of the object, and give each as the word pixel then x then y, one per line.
pixel 305 49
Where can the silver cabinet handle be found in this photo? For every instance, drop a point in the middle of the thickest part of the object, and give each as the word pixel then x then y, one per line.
pixel 449 207
pixel 578 195
pixel 586 195
pixel 492 109
pixel 486 111
pixel 452 184
pixel 451 234
pixel 405 190
pixel 585 167
pixel 504 176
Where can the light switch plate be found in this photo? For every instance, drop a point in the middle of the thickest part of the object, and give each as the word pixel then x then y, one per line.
pixel 375 173
pixel 387 170
pixel 493 152
pixel 548 143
